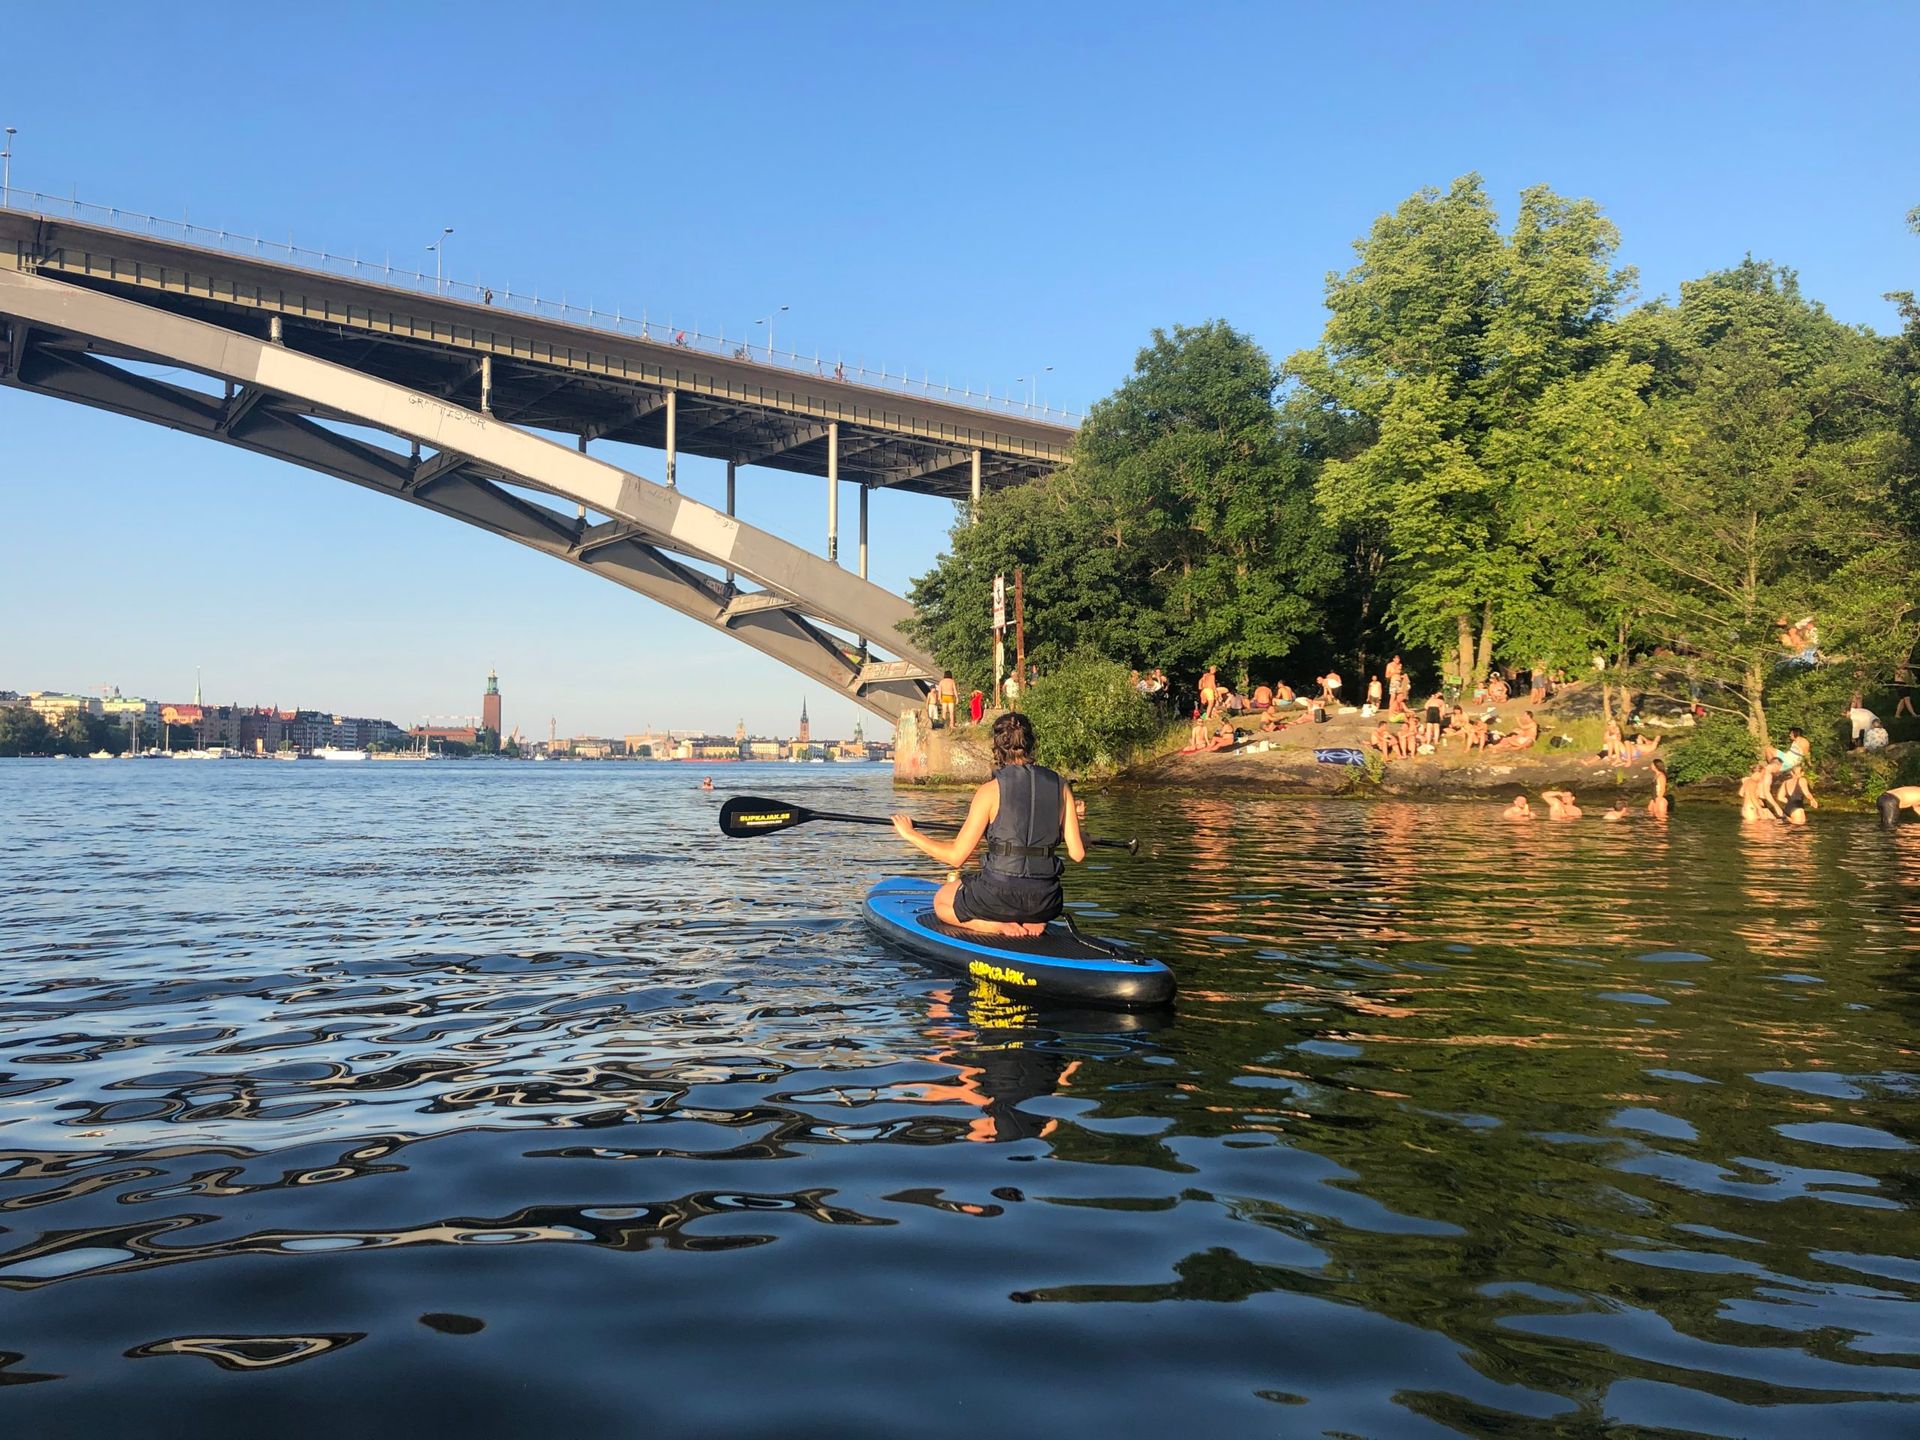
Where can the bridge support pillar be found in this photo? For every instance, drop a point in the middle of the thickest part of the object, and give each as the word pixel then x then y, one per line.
pixel 731 467
pixel 582 515
pixel 486 384
pixel 833 491
pixel 275 335
pixel 673 438
pixel 974 514
pixel 865 491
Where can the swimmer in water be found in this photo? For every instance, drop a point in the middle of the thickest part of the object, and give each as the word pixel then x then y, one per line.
pixel 1518 810
pixel 1895 799
pixel 707 783
pixel 1561 805
pixel 1617 812
pixel 1756 792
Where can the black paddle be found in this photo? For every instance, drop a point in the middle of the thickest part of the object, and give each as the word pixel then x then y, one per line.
pixel 745 815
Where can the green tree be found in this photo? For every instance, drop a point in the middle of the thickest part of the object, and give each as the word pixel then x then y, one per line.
pixel 1183 532
pixel 24 732
pixel 1441 342
pixel 1766 494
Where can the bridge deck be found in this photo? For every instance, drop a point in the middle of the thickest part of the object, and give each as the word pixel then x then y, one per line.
pixel 554 375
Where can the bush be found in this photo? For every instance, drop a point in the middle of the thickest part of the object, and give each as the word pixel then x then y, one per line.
pixel 1719 746
pixel 1087 715
pixel 1816 701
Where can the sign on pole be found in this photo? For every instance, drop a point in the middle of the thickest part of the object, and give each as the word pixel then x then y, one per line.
pixel 999 602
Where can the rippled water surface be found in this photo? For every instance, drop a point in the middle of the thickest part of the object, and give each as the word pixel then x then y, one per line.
pixel 512 1100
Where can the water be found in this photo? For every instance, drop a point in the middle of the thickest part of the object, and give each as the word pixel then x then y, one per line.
pixel 510 1100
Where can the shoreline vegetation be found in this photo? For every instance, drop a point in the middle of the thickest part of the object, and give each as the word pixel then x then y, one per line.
pixel 1498 460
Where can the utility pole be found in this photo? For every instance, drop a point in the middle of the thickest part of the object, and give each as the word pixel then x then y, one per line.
pixel 1020 627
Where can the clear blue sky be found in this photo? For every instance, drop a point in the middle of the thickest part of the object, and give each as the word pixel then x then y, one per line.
pixel 975 191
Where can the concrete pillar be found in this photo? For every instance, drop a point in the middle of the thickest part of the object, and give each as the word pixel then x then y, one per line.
pixel 833 491
pixel 731 466
pixel 276 335
pixel 673 437
pixel 865 490
pixel 581 514
pixel 486 384
pixel 975 515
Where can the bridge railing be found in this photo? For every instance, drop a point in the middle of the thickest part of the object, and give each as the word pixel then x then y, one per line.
pixel 617 321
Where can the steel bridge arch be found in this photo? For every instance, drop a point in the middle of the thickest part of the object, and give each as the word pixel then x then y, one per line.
pixel 63 340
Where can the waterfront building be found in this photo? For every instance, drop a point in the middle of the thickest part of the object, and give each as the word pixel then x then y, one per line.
pixel 54 707
pixel 459 734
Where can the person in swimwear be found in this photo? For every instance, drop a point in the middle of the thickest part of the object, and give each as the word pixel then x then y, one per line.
pixel 1795 758
pixel 1617 811
pixel 1561 805
pixel 1756 792
pixel 707 784
pixel 1793 796
pixel 1657 807
pixel 1524 734
pixel 1518 810
pixel 1428 732
pixel 1025 813
pixel 1895 799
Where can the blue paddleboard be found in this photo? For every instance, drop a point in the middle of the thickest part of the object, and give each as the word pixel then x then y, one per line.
pixel 1060 965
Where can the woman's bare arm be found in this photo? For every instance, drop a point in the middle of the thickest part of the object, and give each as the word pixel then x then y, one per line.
pixel 953 853
pixel 1070 825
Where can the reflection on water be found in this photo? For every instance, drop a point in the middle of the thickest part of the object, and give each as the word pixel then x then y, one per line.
pixel 518 1098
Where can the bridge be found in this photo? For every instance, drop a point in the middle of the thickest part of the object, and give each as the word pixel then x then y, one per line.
pixel 471 399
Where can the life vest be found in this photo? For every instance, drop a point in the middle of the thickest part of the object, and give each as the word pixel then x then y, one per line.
pixel 1022 837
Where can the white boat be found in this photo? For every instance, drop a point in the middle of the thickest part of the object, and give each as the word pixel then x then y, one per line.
pixel 329 752
pixel 101 755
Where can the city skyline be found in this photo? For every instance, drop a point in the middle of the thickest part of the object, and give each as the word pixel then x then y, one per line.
pixel 286 583
pixel 496 713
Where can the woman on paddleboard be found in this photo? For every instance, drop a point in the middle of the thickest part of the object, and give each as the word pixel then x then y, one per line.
pixel 1025 812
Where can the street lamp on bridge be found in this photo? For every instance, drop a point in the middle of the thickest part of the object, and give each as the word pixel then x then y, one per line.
pixel 6 168
pixel 767 320
pixel 1032 381
pixel 438 248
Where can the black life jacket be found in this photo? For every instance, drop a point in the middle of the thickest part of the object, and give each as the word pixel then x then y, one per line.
pixel 1022 838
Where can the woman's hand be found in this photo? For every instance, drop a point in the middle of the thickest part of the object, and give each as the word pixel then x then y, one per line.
pixel 903 827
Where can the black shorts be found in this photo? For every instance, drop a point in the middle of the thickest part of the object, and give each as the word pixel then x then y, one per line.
pixel 994 897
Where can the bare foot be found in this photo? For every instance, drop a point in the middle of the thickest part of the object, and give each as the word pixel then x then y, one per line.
pixel 1021 930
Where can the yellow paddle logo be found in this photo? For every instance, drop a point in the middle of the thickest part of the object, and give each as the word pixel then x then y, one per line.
pixel 771 817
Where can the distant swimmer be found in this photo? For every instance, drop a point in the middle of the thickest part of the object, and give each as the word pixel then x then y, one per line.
pixel 707 784
pixel 1518 810
pixel 1561 805
pixel 1893 801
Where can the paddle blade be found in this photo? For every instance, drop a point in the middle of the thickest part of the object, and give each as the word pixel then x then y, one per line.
pixel 745 815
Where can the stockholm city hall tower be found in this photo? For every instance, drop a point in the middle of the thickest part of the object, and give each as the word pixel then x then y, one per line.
pixel 490 704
